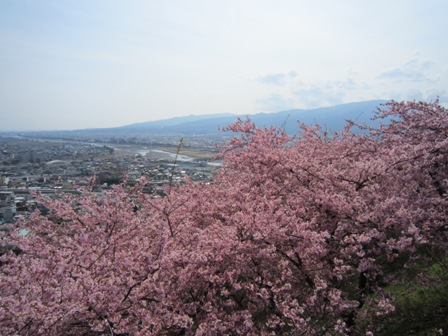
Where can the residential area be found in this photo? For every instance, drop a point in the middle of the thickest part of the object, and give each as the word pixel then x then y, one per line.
pixel 54 166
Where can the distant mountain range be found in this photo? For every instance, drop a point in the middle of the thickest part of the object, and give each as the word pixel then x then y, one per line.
pixel 332 118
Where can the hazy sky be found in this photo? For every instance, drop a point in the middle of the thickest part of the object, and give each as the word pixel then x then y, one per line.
pixel 89 63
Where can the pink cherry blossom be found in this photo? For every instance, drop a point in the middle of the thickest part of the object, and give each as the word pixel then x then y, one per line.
pixel 294 236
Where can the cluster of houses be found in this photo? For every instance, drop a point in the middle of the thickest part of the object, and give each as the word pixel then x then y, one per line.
pixel 52 166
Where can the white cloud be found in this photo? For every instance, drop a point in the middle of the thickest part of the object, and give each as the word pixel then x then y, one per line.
pixel 419 95
pixel 317 95
pixel 414 70
pixel 275 102
pixel 274 79
pixel 296 93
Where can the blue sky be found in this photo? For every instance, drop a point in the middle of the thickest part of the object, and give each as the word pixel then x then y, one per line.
pixel 89 63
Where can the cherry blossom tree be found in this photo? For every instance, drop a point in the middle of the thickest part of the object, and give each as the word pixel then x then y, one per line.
pixel 300 236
